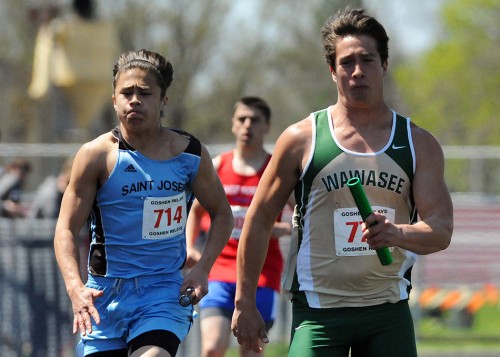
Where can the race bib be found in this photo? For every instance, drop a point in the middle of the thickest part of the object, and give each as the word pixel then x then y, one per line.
pixel 239 213
pixel 164 217
pixel 348 233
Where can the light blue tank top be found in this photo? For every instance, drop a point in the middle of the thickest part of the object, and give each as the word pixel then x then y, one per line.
pixel 137 223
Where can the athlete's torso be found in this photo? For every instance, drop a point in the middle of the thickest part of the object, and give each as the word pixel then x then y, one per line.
pixel 327 260
pixel 137 223
pixel 240 190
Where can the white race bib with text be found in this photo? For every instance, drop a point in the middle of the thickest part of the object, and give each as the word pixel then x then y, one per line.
pixel 164 217
pixel 239 213
pixel 348 234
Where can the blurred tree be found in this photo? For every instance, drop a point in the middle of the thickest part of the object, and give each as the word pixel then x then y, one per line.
pixel 453 89
pixel 219 54
pixel 277 54
pixel 221 50
pixel 186 32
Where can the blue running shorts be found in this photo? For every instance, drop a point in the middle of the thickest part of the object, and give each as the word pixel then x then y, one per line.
pixel 131 307
pixel 220 301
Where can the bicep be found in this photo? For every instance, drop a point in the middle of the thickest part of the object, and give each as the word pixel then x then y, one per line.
pixel 274 191
pixel 207 186
pixel 279 179
pixel 429 187
pixel 79 196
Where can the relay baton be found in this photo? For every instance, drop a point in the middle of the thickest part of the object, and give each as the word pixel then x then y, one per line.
pixel 185 299
pixel 365 209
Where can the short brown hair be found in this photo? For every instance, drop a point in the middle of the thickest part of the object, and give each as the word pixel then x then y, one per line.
pixel 257 103
pixel 352 23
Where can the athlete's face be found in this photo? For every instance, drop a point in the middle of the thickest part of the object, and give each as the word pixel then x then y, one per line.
pixel 137 98
pixel 249 125
pixel 359 72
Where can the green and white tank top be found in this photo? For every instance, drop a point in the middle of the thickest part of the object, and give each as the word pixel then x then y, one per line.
pixel 328 262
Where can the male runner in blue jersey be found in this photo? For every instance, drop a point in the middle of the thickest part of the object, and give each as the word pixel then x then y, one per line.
pixel 135 185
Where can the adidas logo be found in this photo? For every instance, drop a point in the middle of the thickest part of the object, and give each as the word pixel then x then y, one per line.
pixel 130 168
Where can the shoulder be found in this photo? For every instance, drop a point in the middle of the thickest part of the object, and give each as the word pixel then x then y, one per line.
pixel 184 141
pixel 98 147
pixel 423 139
pixel 427 147
pixel 299 133
pixel 293 146
pixel 95 157
pixel 216 161
pixel 222 158
pixel 296 138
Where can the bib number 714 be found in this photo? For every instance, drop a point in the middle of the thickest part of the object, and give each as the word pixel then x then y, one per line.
pixel 166 214
pixel 164 217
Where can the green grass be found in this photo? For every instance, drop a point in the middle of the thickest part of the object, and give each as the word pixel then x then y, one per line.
pixel 445 334
pixel 485 326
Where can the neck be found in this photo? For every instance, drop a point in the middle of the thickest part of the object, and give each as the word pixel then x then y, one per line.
pixel 362 131
pixel 360 117
pixel 141 137
pixel 248 161
pixel 250 154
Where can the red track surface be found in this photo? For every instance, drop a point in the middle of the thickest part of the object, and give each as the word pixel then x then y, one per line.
pixel 473 257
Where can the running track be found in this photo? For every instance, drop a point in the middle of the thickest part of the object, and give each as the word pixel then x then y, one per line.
pixel 473 257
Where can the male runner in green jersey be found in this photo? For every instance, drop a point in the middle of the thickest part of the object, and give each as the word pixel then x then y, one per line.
pixel 344 300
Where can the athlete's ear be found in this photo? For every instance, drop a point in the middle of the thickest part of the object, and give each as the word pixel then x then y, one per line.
pixel 163 104
pixel 113 98
pixel 384 67
pixel 334 76
pixel 268 126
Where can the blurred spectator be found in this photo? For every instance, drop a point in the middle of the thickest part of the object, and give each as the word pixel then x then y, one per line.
pixel 48 196
pixel 12 180
pixel 73 53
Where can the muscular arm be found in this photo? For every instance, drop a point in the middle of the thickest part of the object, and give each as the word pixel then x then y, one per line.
pixel 432 199
pixel 75 207
pixel 284 226
pixel 193 226
pixel 192 232
pixel 274 189
pixel 433 202
pixel 210 194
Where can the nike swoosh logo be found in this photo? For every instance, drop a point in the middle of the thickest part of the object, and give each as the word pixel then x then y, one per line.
pixel 299 327
pixel 398 147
